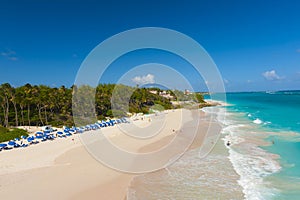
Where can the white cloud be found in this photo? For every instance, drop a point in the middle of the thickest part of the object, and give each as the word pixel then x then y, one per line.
pixel 226 81
pixel 271 75
pixel 141 80
pixel 12 58
pixel 10 55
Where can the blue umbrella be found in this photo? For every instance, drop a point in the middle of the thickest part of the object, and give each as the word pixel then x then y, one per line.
pixel 39 137
pixel 68 134
pixel 66 130
pixel 11 143
pixel 60 134
pixel 30 139
pixel 79 130
pixel 2 145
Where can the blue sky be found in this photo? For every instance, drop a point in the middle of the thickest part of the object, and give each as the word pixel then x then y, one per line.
pixel 255 44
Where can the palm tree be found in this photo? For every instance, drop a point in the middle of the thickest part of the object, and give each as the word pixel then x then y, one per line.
pixel 14 102
pixel 20 99
pixel 28 100
pixel 5 93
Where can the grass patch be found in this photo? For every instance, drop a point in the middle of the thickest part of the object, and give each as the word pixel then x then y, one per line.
pixel 10 134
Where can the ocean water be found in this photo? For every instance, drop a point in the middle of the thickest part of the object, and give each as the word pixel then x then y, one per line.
pixel 262 161
pixel 264 130
pixel 192 177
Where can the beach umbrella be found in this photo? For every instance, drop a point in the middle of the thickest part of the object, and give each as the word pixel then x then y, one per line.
pixel 68 134
pixel 97 126
pixel 66 130
pixel 2 145
pixel 39 136
pixel 47 134
pixel 92 127
pixel 11 143
pixel 79 130
pixel 60 134
pixel 23 137
pixel 30 139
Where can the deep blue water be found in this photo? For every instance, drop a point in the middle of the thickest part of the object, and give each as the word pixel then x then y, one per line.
pixel 277 114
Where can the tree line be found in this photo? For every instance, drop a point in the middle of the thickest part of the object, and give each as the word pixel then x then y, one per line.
pixel 37 105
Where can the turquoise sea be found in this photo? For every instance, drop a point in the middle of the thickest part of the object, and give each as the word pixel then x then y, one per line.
pixel 261 163
pixel 264 130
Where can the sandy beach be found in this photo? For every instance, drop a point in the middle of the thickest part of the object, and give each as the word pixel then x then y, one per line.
pixel 63 169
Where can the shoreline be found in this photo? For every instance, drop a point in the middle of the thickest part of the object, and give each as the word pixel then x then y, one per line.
pixel 219 156
pixel 249 159
pixel 81 176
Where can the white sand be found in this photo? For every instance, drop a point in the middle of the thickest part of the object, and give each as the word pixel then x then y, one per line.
pixel 63 169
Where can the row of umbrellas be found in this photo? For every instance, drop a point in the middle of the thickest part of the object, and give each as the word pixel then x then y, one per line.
pixel 48 135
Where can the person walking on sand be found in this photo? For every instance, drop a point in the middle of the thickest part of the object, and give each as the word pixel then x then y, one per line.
pixel 228 143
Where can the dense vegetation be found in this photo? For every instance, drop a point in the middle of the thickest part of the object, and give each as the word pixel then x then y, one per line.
pixel 41 105
pixel 9 134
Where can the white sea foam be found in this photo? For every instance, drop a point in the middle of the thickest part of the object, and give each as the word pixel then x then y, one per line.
pixel 257 121
pixel 233 139
pixel 252 163
pixel 192 177
pixel 252 168
pixel 217 113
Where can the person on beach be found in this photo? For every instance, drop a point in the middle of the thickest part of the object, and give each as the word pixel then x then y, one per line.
pixel 228 143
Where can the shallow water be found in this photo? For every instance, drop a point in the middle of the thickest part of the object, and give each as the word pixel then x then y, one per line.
pixel 266 129
pixel 262 161
pixel 191 177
